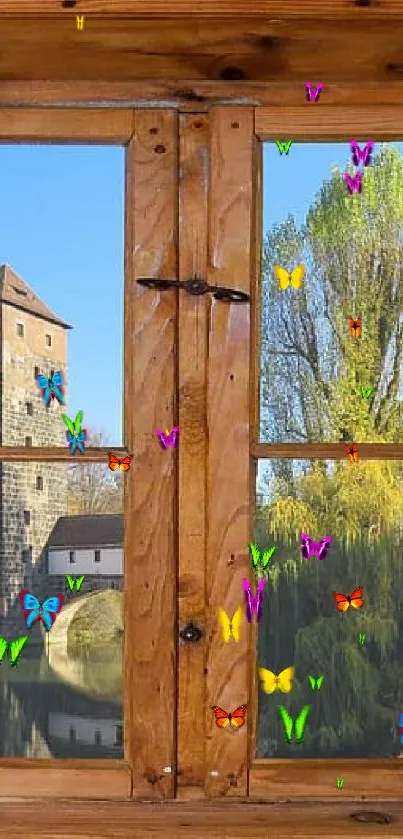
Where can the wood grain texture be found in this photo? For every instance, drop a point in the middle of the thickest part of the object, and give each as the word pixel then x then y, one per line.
pixel 150 540
pixel 193 94
pixel 226 48
pixel 68 125
pixel 228 513
pixel 312 779
pixel 36 779
pixel 358 10
pixel 327 123
pixel 58 454
pixel 192 364
pixel 326 451
pixel 197 820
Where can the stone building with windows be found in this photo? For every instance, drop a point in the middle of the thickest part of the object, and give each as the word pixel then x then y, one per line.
pixel 91 545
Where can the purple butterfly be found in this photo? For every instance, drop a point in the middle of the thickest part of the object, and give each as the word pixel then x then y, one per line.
pixel 168 440
pixel 254 604
pixel 309 547
pixel 353 182
pixel 313 94
pixel 363 156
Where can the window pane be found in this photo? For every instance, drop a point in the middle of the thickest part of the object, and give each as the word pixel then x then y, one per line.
pixel 316 377
pixel 359 652
pixel 68 682
pixel 61 290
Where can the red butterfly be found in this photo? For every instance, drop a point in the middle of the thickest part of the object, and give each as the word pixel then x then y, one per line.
pixel 223 718
pixel 123 464
pixel 352 453
pixel 355 328
pixel 355 600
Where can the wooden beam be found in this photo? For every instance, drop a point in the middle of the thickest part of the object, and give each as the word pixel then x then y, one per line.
pixel 92 125
pixel 325 123
pixel 325 451
pixel 56 454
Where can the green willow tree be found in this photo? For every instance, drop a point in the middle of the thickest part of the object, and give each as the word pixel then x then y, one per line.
pixel 312 371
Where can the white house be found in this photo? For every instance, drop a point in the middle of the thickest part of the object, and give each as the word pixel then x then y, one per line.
pixel 90 545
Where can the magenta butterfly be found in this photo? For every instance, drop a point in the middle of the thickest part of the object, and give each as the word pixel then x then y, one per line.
pixel 168 440
pixel 353 182
pixel 362 156
pixel 310 548
pixel 313 94
pixel 254 603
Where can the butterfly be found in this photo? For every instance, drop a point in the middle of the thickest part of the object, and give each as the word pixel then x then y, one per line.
pixel 284 147
pixel 340 783
pixel 14 648
pixel 366 392
pixel 51 388
pixel 168 440
pixel 34 611
pixel 294 727
pixel 271 682
pixel 355 600
pixel 401 725
pixel 313 94
pixel 316 684
pixel 254 604
pixel 230 627
pixel 256 558
pixel 76 436
pixel 352 453
pixel 224 719
pixel 284 278
pixel 310 548
pixel 123 464
pixel 363 156
pixel 74 583
pixel 355 327
pixel 353 182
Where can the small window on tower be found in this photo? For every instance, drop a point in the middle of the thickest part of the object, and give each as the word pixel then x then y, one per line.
pixel 30 409
pixel 27 554
pixel 20 330
pixel 27 516
pixel 72 557
pixel 36 372
pixel 39 482
pixel 28 441
pixel 97 557
pixel 48 340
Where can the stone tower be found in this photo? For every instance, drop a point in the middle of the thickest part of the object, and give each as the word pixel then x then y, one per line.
pixel 32 495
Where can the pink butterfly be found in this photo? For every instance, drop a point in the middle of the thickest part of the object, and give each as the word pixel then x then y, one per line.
pixel 353 182
pixel 313 94
pixel 310 548
pixel 254 604
pixel 363 156
pixel 168 440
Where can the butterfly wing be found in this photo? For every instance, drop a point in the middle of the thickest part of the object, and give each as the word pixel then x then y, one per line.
pixel 285 679
pixel 258 604
pixel 15 649
pixel 366 154
pixel 283 276
pixel 268 680
pixel 162 438
pixel 236 623
pixel 70 582
pixel 319 682
pixel 71 441
pixel 221 717
pixel 30 606
pixel 355 152
pixel 248 599
pixel 50 609
pixel 77 422
pixel 297 276
pixel 312 682
pixel 114 462
pixel 81 440
pixel 79 582
pixel 323 547
pixel 267 555
pixel 341 601
pixel 300 723
pixel 125 463
pixel 57 388
pixel 173 437
pixel 288 722
pixel 356 598
pixel 317 92
pixel 68 422
pixel 225 624
pixel 3 648
pixel 238 717
pixel 254 555
pixel 306 546
pixel 45 388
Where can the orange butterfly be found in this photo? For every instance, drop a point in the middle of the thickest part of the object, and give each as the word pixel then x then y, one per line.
pixel 355 328
pixel 223 718
pixel 355 600
pixel 123 464
pixel 352 453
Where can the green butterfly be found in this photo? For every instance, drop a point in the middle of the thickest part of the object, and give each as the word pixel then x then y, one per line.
pixel 316 684
pixel 258 561
pixel 74 427
pixel 361 638
pixel 366 392
pixel 76 436
pixel 72 583
pixel 284 147
pixel 294 727
pixel 14 648
pixel 340 783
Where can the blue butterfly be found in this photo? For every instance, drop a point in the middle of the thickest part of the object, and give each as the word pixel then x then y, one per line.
pixel 34 611
pixel 51 388
pixel 77 441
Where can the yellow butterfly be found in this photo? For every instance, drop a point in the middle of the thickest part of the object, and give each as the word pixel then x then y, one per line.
pixel 230 627
pixel 284 278
pixel 271 682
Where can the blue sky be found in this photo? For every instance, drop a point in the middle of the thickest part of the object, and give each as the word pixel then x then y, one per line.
pixel 62 223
